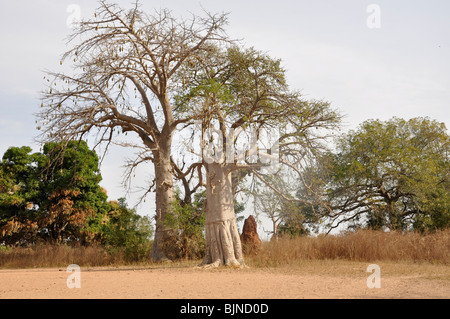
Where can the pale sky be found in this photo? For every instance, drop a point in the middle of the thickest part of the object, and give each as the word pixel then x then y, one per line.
pixel 399 68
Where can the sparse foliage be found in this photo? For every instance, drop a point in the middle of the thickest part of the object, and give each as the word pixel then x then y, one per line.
pixel 239 90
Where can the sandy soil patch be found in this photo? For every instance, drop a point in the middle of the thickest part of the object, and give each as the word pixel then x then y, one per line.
pixel 312 280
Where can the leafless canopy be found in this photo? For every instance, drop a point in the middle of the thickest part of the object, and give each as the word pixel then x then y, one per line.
pixel 125 65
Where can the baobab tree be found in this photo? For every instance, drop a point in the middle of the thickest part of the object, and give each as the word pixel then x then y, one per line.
pixel 126 66
pixel 239 96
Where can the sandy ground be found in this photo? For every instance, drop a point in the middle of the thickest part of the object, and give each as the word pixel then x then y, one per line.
pixel 347 280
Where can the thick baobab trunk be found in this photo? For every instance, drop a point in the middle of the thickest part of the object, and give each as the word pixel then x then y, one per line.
pixel 223 244
pixel 164 199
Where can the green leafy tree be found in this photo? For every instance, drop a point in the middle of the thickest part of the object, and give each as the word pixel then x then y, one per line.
pixel 123 229
pixel 186 223
pixel 19 190
pixel 70 194
pixel 296 217
pixel 392 174
pixel 55 197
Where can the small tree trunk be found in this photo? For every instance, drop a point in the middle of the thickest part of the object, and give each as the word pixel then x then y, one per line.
pixel 275 229
pixel 223 244
pixel 164 199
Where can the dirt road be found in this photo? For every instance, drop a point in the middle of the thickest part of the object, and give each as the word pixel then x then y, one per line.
pixel 347 280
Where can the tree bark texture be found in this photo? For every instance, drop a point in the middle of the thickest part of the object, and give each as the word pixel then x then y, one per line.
pixel 164 198
pixel 223 244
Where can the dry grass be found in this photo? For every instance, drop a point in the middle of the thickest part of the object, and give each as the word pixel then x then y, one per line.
pixel 56 256
pixel 363 246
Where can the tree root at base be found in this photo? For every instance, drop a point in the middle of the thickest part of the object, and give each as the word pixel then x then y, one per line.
pixel 223 245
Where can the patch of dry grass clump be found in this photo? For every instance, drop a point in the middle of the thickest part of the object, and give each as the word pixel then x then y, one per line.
pixel 363 245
